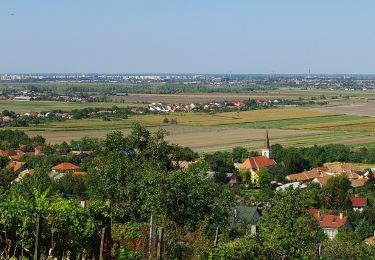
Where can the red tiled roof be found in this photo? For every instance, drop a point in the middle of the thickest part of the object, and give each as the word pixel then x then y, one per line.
pixel 359 201
pixel 38 147
pixel 65 166
pixel 257 162
pixel 15 166
pixel 324 179
pixel 4 153
pixel 358 182
pixel 329 221
pixel 18 155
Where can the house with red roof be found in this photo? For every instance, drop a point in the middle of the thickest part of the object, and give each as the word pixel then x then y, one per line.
pixel 4 153
pixel 332 223
pixel 18 155
pixel 65 166
pixel 38 150
pixel 62 169
pixel 255 163
pixel 16 166
pixel 359 203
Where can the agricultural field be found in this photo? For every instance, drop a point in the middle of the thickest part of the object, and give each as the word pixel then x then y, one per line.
pixel 37 106
pixel 353 108
pixel 223 131
pixel 281 93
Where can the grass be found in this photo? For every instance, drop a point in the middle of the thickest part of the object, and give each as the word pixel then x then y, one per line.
pixel 27 106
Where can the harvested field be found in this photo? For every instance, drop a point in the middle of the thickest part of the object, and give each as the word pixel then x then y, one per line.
pixel 208 139
pixel 359 109
pixel 198 138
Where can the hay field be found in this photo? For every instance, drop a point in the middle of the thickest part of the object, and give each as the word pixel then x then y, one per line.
pixel 357 108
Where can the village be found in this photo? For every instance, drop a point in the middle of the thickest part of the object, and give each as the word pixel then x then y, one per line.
pixel 248 175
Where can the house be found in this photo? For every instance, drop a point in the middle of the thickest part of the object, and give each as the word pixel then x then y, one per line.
pixel 183 165
pixel 23 174
pixel 16 166
pixel 295 185
pixel 245 216
pixel 4 153
pixel 343 168
pixel 357 183
pixel 17 156
pixel 307 176
pixel 370 241
pixel 332 223
pixel 255 163
pixel 64 167
pixel 323 179
pixel 38 150
pixel 233 179
pixel 359 203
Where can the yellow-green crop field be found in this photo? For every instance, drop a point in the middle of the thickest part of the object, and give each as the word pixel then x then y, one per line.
pixel 222 131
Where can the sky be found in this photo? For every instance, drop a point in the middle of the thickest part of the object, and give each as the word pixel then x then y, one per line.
pixel 191 36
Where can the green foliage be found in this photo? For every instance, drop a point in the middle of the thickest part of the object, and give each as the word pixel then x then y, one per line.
pixel 346 246
pixel 219 162
pixel 335 193
pixel 288 227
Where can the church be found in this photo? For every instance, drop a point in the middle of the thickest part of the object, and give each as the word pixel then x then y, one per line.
pixel 253 164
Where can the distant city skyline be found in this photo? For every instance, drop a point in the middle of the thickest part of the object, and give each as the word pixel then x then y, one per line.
pixel 190 37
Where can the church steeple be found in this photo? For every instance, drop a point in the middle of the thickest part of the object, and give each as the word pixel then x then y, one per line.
pixel 266 141
pixel 266 151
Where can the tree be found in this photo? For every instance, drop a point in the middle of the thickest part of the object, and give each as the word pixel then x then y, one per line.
pixel 364 229
pixel 219 161
pixel 288 229
pixel 346 245
pixel 265 178
pixel 239 154
pixel 335 193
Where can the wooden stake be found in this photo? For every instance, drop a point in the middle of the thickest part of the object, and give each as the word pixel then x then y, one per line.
pixel 216 241
pixel 159 254
pixel 102 243
pixel 152 236
pixel 38 238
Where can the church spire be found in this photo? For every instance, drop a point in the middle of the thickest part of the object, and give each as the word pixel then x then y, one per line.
pixel 266 151
pixel 266 141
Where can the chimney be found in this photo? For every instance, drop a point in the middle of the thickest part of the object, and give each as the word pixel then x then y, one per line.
pixel 318 213
pixel 341 215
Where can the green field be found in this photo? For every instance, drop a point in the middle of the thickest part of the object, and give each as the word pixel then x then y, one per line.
pixel 297 121
pixel 219 131
pixel 37 106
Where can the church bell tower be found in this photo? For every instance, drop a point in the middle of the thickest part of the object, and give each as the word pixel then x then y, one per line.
pixel 266 151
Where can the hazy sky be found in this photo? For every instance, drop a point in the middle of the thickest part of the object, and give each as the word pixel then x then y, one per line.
pixel 191 36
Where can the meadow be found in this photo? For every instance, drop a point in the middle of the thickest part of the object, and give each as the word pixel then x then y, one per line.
pixel 37 106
